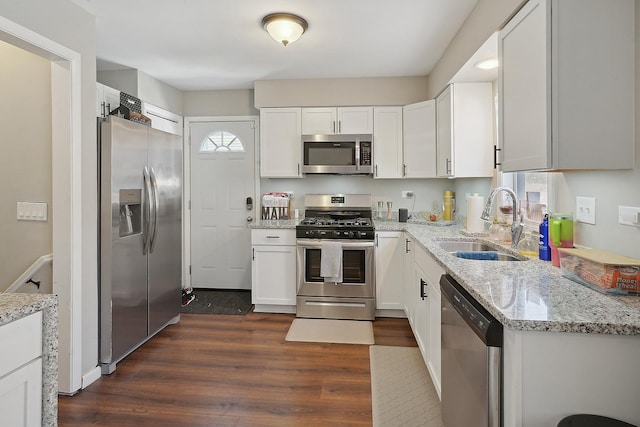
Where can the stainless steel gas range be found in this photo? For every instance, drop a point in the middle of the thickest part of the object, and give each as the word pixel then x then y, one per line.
pixel 338 228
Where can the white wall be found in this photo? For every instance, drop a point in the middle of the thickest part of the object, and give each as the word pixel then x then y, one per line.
pixel 73 28
pixel 25 164
pixel 487 17
pixel 340 92
pixel 427 190
pixel 219 103
pixel 141 85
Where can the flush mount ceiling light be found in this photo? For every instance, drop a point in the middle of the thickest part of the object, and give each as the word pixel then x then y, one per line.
pixel 487 64
pixel 284 28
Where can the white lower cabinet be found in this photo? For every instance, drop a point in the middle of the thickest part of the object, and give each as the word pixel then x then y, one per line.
pixel 273 270
pixel 409 291
pixel 389 265
pixel 21 372
pixel 424 312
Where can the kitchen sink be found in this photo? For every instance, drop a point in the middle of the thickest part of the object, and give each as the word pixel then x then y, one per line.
pixel 466 246
pixel 455 246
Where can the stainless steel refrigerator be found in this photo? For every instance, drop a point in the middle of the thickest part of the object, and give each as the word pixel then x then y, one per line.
pixel 140 197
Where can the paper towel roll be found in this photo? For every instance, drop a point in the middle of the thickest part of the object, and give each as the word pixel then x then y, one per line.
pixel 475 205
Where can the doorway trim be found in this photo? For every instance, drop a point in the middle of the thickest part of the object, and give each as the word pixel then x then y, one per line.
pixel 186 200
pixel 66 140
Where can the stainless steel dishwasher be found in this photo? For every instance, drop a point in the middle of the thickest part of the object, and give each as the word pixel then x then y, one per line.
pixel 471 360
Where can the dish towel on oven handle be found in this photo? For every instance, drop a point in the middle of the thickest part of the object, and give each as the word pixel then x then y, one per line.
pixel 331 261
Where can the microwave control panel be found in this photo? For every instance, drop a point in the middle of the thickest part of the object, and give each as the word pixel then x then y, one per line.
pixel 365 153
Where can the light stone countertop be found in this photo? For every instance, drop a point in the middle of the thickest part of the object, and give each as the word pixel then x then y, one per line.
pixel 14 306
pixel 275 223
pixel 528 295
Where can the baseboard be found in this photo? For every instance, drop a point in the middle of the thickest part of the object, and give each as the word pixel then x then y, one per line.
pixel 391 313
pixel 268 308
pixel 91 377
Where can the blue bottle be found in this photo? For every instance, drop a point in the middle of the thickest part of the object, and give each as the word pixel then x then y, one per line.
pixel 544 252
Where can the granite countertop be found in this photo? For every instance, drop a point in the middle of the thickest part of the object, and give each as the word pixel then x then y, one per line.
pixel 14 306
pixel 275 223
pixel 529 295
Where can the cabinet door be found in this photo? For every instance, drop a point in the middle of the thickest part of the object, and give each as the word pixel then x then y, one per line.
pixel 421 315
pixel 472 127
pixel 273 275
pixel 419 140
pixel 434 345
pixel 444 143
pixel 409 291
pixel 100 107
pixel 524 89
pixel 21 396
pixel 387 142
pixel 355 120
pixel 389 266
pixel 319 121
pixel 280 143
pixel 111 98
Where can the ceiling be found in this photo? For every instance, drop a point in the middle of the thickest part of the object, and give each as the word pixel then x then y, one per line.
pixel 217 45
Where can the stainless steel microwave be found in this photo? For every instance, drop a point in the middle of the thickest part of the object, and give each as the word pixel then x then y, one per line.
pixel 346 154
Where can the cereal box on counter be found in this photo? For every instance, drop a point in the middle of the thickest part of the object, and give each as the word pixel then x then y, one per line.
pixel 600 270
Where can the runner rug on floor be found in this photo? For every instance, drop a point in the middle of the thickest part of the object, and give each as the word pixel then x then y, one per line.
pixel 402 393
pixel 331 330
pixel 219 301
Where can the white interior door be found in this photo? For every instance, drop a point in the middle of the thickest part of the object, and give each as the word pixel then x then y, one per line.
pixel 222 178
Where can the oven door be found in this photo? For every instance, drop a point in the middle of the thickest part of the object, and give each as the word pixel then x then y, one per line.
pixel 357 270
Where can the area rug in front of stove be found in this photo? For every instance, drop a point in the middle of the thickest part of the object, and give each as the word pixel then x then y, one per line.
pixel 331 331
pixel 402 393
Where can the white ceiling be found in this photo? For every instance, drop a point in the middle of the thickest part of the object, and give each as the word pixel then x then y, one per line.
pixel 216 44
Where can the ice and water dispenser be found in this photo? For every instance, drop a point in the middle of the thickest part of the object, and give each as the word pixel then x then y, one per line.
pixel 130 212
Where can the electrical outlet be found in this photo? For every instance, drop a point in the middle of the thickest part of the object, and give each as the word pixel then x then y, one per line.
pixel 586 210
pixel 407 194
pixel 629 215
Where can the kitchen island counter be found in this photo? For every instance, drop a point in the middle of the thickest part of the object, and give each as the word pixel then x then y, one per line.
pixel 16 306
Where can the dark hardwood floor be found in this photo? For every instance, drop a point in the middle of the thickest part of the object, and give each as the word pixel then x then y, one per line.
pixel 226 370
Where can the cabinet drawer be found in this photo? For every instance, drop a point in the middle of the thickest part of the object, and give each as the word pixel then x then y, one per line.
pixel 23 341
pixel 270 236
pixel 430 266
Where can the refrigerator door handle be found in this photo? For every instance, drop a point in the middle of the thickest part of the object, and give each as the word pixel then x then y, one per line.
pixel 147 210
pixel 156 208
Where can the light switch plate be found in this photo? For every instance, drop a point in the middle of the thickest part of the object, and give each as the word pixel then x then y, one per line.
pixel 29 211
pixel 628 215
pixel 586 209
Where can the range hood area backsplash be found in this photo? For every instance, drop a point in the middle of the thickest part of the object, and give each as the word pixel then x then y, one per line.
pixel 426 190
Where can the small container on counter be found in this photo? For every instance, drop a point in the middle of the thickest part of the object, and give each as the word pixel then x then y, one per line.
pixel 544 251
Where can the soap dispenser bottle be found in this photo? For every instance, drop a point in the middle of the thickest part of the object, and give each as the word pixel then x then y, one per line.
pixel 544 252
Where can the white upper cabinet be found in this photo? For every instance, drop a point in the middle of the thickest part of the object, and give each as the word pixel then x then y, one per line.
pixel 162 119
pixel 107 100
pixel 464 131
pixel 387 142
pixel 566 85
pixel 280 143
pixel 335 120
pixel 419 140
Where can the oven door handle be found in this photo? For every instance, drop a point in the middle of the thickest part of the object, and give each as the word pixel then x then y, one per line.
pixel 346 244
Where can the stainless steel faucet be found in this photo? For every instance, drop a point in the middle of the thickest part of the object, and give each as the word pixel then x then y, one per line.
pixel 516 227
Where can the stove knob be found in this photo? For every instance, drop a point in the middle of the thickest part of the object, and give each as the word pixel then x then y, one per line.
pixel 336 233
pixel 362 233
pixel 350 234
